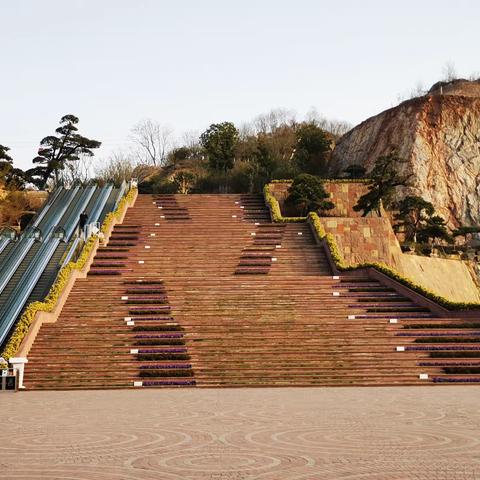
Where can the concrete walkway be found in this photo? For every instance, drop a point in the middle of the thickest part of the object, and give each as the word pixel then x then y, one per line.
pixel 268 434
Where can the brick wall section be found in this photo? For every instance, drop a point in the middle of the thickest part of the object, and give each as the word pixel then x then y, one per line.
pixel 343 195
pixel 369 239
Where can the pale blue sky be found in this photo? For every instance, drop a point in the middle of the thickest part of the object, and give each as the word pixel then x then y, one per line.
pixel 191 63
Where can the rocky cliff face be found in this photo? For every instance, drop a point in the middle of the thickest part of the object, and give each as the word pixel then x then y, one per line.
pixel 439 136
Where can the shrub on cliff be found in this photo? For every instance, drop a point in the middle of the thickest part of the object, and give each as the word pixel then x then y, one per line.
pixel 413 215
pixel 385 178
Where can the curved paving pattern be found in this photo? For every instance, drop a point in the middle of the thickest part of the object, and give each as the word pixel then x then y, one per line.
pixel 242 434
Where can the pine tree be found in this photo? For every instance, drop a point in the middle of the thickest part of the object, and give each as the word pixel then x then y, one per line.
pixel 56 151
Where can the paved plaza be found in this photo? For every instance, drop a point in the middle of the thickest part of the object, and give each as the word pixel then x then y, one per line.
pixel 240 434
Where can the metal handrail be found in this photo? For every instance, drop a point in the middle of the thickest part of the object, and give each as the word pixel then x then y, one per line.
pixel 4 241
pixel 25 244
pixel 70 252
pixel 24 287
pixel 94 216
pixel 26 284
pixel 100 204
pixel 33 224
pixel 22 290
pixel 121 192
pixel 72 221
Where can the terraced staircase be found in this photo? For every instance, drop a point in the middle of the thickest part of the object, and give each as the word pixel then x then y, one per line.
pixel 203 290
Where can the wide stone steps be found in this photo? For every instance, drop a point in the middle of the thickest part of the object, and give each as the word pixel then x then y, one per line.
pixel 163 307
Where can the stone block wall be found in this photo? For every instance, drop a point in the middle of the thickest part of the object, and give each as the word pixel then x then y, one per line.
pixel 343 195
pixel 368 239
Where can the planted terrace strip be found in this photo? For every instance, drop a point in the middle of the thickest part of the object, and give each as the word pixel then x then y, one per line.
pixel 153 299
pixel 153 294
pixel 145 290
pixel 437 335
pixel 152 310
pixel 154 319
pixel 169 383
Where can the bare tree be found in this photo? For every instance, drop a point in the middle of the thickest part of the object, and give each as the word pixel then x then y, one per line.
pixel 418 91
pixel 190 139
pixel 119 166
pixel 77 171
pixel 336 127
pixel 273 120
pixel 449 71
pixel 153 141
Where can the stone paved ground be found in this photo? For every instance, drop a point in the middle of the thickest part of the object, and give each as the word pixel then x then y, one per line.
pixel 268 434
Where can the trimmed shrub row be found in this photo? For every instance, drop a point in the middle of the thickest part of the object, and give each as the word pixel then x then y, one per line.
pixel 146 357
pixel 158 372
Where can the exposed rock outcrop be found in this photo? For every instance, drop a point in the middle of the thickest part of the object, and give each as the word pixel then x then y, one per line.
pixel 439 136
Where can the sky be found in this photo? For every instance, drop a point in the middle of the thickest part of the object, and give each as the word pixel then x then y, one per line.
pixel 190 63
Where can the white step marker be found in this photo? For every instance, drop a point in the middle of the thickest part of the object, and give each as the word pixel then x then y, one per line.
pixel 162 216
pixel 137 384
pixel 351 317
pixel 124 297
pixel 256 223
pixel 127 319
pixel 423 376
pixel 393 320
pixel 253 234
pixel 400 349
pixel 153 234
pixel 141 261
pixel 299 233
pixel 160 208
pixel 157 224
pixel 130 324
pixel 147 246
pixel 336 294
pixel 336 277
pixel 134 351
pixel 278 246
pixel 242 206
pixel 234 216
pixel 274 259
pixel 236 203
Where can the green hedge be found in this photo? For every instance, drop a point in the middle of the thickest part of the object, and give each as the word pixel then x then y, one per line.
pixel 48 304
pixel 337 258
pixel 329 180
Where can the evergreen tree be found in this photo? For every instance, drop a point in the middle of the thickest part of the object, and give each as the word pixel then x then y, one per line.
pixel 413 213
pixel 355 170
pixel 6 163
pixel 56 151
pixel 10 176
pixel 466 231
pixel 434 229
pixel 219 141
pixel 384 180
pixel 307 193
pixel 312 149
